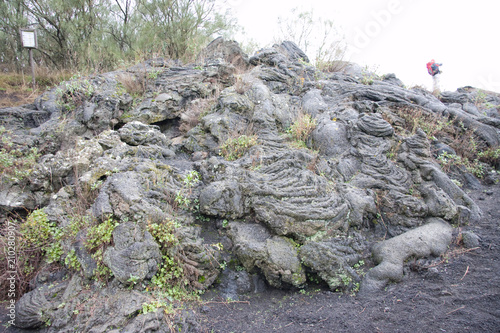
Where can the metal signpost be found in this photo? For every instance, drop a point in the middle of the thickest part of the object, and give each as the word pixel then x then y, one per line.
pixel 28 37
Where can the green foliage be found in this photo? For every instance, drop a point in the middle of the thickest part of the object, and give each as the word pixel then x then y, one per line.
pixel 490 156
pixel 16 161
pixel 471 154
pixel 170 277
pixel 98 237
pixel 37 230
pixel 54 252
pixel 232 149
pixel 101 233
pixel 164 233
pixel 154 305
pixel 170 273
pixel 74 92
pixel 182 200
pixel 448 160
pixel 191 179
pixel 300 130
pixel 71 261
pixel 368 78
pixel 153 75
pixel 132 280
pixel 12 18
pixel 480 97
pixel 179 27
pixel 99 35
pixel 40 238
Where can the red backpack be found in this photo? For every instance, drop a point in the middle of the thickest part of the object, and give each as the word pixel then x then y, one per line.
pixel 429 67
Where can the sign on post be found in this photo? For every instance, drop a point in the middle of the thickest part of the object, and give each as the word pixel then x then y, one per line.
pixel 28 37
pixel 29 40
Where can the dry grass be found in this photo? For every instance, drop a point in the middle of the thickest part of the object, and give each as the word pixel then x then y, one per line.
pixel 135 86
pixel 242 84
pixel 470 150
pixel 194 112
pixel 332 66
pixel 16 88
pixel 302 127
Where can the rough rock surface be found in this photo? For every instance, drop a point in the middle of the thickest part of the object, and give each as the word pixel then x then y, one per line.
pixel 288 215
pixel 135 254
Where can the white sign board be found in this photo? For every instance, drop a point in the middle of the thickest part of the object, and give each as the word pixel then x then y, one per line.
pixel 28 38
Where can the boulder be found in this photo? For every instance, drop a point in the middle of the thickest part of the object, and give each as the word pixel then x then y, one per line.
pixel 135 255
pixel 432 238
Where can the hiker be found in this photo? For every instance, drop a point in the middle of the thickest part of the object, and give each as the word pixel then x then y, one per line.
pixel 433 68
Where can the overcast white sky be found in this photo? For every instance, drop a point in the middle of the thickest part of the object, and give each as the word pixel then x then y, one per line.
pixel 399 36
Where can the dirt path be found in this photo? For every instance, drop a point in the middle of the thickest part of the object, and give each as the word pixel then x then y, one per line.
pixel 459 293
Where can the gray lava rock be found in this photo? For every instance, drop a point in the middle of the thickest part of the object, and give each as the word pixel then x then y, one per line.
pixel 470 239
pixel 432 238
pixel 223 199
pixel 134 255
pixel 298 208
pixel 275 256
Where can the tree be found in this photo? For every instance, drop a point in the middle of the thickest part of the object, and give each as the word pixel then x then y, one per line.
pixel 314 35
pixel 68 28
pixel 95 35
pixel 180 26
pixel 121 27
pixel 12 19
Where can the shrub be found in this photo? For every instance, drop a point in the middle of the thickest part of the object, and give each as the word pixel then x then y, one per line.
pixel 490 156
pixel 29 241
pixel 170 271
pixel 301 129
pixel 74 92
pixel 98 238
pixel 234 148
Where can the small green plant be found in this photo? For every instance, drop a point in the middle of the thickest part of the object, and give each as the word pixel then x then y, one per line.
pixel 153 74
pixel 164 233
pixel 96 185
pixel 300 130
pixel 170 275
pixel 42 235
pixel 490 156
pixel 302 127
pixel 182 197
pixel 38 238
pixel 182 200
pixel 98 238
pixel 132 280
pixel 480 97
pixel 191 179
pixel 153 306
pixel 74 92
pixel 71 260
pixel 101 233
pixel 234 148
pixel 448 160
